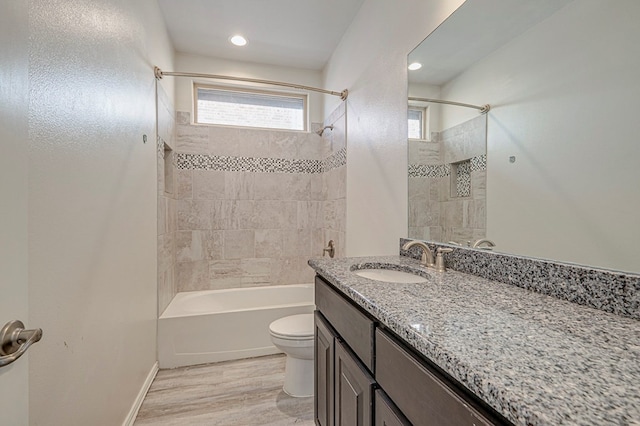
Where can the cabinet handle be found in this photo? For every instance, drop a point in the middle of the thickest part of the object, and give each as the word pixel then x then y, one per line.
pixel 15 340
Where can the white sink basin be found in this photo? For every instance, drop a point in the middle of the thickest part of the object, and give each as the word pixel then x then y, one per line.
pixel 390 276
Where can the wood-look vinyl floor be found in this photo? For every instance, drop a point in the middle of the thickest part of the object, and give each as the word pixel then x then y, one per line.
pixel 233 393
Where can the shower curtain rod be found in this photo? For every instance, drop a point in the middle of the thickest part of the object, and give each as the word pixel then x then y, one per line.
pixel 483 109
pixel 159 74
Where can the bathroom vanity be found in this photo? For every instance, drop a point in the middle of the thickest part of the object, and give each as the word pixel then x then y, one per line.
pixel 351 390
pixel 464 350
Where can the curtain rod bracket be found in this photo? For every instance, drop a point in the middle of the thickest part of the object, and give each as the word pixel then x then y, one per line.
pixel 344 94
pixel 157 72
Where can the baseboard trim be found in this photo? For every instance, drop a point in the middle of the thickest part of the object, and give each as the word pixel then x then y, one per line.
pixel 133 413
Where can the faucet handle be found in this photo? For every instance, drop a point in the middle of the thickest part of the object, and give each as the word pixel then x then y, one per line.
pixel 439 266
pixel 329 249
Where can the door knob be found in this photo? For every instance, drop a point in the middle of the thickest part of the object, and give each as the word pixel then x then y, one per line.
pixel 15 340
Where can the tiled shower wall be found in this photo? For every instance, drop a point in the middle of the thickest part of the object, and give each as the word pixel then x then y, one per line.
pixel 252 206
pixel 167 285
pixel 334 177
pixel 445 205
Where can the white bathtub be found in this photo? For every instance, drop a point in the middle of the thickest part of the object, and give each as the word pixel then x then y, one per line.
pixel 199 327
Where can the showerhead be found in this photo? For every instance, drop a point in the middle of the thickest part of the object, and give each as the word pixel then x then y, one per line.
pixel 321 131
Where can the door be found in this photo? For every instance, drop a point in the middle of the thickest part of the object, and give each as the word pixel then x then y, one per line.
pixel 14 67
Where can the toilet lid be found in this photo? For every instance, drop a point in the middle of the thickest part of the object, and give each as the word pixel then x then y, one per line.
pixel 293 326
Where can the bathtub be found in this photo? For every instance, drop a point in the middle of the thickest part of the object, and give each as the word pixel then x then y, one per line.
pixel 200 327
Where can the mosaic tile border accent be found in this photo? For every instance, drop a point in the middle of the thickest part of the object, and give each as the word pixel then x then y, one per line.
pixel 259 164
pixel 335 160
pixel 602 289
pixel 246 164
pixel 429 171
pixel 478 163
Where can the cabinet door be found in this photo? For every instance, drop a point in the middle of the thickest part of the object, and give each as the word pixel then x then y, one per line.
pixel 323 372
pixel 387 414
pixel 353 390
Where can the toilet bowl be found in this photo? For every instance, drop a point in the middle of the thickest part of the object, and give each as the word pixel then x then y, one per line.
pixel 293 335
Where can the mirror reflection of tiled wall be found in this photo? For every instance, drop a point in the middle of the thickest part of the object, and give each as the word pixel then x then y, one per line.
pixel 447 184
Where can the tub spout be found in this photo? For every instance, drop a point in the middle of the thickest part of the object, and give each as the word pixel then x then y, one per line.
pixel 488 244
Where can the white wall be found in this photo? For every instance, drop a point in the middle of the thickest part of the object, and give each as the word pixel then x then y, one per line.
pixel 371 62
pixel 218 66
pixel 564 101
pixel 92 205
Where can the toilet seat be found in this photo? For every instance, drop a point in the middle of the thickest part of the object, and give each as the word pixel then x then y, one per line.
pixel 294 327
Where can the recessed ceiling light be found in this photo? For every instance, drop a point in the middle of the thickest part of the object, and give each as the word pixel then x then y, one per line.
pixel 415 66
pixel 238 40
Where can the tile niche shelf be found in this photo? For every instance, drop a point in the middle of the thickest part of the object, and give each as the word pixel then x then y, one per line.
pixel 461 179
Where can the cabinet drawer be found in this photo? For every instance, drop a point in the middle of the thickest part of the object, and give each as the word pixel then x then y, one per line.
pixel 353 326
pixel 423 397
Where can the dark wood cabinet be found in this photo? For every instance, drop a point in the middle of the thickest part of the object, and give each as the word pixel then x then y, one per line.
pixel 343 385
pixel 353 386
pixel 324 372
pixel 386 413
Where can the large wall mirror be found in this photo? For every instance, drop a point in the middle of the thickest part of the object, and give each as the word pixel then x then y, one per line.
pixel 553 169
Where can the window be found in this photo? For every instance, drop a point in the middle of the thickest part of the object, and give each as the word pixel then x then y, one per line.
pixel 250 108
pixel 417 122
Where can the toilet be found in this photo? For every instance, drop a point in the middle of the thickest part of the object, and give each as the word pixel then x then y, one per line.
pixel 293 335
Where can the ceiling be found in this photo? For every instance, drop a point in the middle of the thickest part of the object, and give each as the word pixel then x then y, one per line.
pixel 295 33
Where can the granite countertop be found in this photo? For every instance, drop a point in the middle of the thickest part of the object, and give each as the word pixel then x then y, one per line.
pixel 535 359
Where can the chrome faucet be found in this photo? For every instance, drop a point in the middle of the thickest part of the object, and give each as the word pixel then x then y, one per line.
pixel 489 244
pixel 427 256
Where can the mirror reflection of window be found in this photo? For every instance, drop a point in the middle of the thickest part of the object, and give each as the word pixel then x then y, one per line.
pixel 417 123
